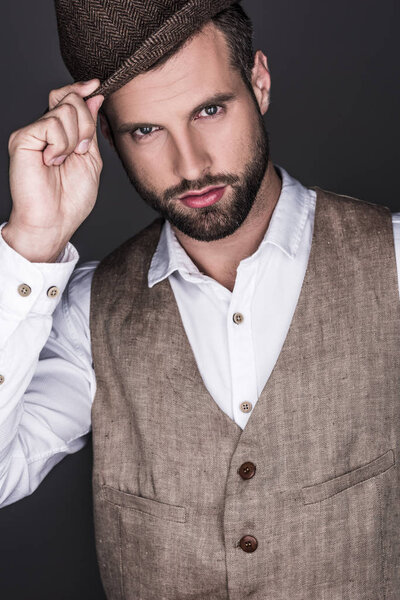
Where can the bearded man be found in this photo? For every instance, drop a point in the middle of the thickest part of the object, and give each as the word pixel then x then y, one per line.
pixel 237 360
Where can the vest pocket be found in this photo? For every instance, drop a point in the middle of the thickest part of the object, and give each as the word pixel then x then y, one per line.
pixel 146 558
pixel 168 512
pixel 326 489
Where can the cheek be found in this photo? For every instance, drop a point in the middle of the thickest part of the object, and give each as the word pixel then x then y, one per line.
pixel 231 145
pixel 152 163
pixel 141 164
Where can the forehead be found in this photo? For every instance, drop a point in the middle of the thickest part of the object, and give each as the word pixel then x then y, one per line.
pixel 201 66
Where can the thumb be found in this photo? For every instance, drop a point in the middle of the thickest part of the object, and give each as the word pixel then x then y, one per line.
pixel 93 105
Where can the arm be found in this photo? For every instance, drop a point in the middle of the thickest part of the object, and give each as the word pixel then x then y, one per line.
pixel 45 359
pixel 55 167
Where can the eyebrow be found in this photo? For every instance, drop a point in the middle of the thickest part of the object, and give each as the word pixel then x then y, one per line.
pixel 216 99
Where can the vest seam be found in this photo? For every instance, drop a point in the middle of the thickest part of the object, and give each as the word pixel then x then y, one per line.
pixel 358 201
pixel 142 512
pixel 121 583
pixel 383 546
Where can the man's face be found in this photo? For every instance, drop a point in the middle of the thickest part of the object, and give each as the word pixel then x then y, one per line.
pixel 174 136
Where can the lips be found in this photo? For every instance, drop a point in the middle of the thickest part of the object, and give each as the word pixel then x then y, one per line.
pixel 212 196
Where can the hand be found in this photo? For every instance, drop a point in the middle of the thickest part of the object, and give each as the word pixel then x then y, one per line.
pixel 55 167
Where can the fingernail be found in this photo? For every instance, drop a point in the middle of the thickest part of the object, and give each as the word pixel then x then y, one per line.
pixel 57 161
pixel 83 146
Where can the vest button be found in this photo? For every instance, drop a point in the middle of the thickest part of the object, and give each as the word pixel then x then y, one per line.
pixel 247 470
pixel 248 543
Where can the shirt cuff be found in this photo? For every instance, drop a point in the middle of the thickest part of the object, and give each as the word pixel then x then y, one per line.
pixel 32 287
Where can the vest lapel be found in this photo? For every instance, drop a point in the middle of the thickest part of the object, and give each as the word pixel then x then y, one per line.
pixel 182 369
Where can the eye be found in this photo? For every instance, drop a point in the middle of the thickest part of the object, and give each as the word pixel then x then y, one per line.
pixel 211 111
pixel 145 131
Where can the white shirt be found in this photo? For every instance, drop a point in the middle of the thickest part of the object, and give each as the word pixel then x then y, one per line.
pixel 45 353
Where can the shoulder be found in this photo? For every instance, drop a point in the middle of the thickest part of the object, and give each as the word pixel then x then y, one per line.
pixel 353 217
pixel 134 255
pixel 349 204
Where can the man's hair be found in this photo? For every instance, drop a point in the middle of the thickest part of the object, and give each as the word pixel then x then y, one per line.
pixel 237 27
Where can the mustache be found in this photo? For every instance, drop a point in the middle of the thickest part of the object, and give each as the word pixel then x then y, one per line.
pixel 194 186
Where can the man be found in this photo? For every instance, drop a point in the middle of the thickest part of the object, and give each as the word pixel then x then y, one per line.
pixel 244 390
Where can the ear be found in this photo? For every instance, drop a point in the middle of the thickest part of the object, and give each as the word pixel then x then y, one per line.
pixel 261 81
pixel 106 129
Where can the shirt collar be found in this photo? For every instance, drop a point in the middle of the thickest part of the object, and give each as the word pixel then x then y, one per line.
pixel 285 231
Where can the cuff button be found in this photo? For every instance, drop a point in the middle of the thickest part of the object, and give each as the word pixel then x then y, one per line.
pixel 1 379
pixel 53 291
pixel 24 289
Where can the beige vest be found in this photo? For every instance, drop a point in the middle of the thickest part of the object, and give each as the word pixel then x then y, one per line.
pixel 315 515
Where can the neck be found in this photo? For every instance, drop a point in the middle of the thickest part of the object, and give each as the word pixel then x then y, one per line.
pixel 220 259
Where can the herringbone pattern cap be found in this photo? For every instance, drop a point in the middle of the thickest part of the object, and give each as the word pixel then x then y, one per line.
pixel 115 40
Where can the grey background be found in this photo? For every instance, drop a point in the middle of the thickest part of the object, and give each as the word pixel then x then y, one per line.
pixel 333 122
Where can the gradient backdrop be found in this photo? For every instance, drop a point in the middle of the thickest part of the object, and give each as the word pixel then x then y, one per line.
pixel 333 122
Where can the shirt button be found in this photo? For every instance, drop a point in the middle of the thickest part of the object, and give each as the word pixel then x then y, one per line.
pixel 53 291
pixel 248 543
pixel 247 470
pixel 1 379
pixel 246 407
pixel 238 318
pixel 24 289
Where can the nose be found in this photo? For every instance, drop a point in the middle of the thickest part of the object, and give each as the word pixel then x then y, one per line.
pixel 191 159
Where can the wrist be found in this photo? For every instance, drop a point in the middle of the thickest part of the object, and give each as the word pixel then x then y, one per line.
pixel 33 245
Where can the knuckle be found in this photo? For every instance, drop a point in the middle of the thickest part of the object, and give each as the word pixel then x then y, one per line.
pixel 58 130
pixel 61 147
pixel 69 142
pixel 13 137
pixel 72 97
pixel 67 107
pixel 56 96
pixel 62 89
pixel 53 121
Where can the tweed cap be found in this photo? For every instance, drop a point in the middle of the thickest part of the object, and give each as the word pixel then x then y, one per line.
pixel 116 40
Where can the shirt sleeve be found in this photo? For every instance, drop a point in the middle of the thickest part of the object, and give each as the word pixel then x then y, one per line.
pixel 396 234
pixel 47 380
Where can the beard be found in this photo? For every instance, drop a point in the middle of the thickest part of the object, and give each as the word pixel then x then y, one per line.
pixel 210 223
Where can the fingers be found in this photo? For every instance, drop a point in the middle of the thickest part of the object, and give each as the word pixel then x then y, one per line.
pixel 81 88
pixel 78 124
pixel 68 127
pixel 77 117
pixel 62 133
pixel 94 104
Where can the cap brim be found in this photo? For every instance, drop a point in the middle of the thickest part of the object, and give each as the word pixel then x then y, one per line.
pixel 177 28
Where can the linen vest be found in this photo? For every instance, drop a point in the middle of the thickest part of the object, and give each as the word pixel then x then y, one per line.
pixel 170 503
